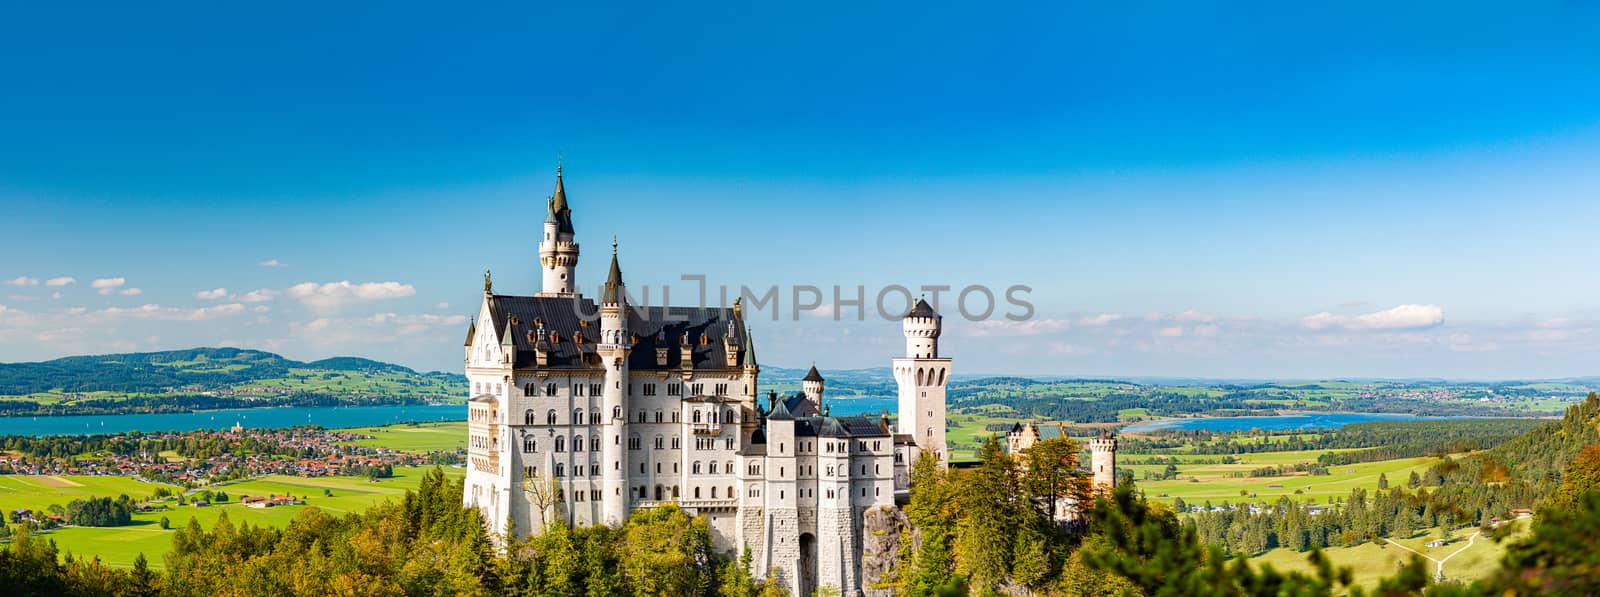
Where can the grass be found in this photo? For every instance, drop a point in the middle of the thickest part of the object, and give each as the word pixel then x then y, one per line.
pixel 38 492
pixel 423 437
pixel 1197 483
pixel 118 546
pixel 1370 562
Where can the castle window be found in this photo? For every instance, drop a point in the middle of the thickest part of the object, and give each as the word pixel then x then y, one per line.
pixel 727 415
pixel 697 493
pixel 550 417
pixel 660 442
pixel 713 493
pixel 674 492
pixel 641 416
pixel 674 389
pixel 595 389
pixel 616 412
pixel 529 444
pixel 697 389
pixel 527 417
pixel 729 443
pixel 649 389
pixel 675 443
pixel 695 467
pixel 577 389
pixel 713 469
pixel 527 390
pixel 577 416
pixel 577 443
pixel 641 470
pixel 658 493
pixel 722 389
pixel 594 443
pixel 550 389
pixel 633 443
pixel 658 415
pixel 561 444
pixel 658 468
pixel 674 416
pixel 697 416
pixel 561 469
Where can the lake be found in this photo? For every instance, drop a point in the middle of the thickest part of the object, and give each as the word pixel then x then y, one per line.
pixel 1274 422
pixel 331 417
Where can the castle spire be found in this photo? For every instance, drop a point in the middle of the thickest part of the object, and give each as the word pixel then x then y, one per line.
pixel 614 279
pixel 560 214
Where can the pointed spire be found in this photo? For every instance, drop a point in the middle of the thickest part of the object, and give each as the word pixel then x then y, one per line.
pixel 472 330
pixel 813 375
pixel 560 214
pixel 506 339
pixel 749 357
pixel 614 279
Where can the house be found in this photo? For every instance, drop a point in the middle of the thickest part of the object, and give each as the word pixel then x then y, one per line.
pixel 256 502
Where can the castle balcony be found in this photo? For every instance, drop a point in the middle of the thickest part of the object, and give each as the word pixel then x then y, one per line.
pixel 705 504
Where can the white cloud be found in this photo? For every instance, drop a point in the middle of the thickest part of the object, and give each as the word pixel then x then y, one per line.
pixel 55 295
pixel 273 263
pixel 59 334
pixel 442 306
pixel 131 292
pixel 23 281
pixel 61 281
pixel 211 295
pixel 154 311
pixel 259 296
pixel 1170 332
pixel 1031 327
pixel 334 294
pixel 1099 320
pixel 261 309
pixel 1403 317
pixel 107 285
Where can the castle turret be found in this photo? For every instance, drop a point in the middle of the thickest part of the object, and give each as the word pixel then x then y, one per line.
pixel 922 376
pixel 613 349
pixel 1103 462
pixel 812 385
pixel 558 253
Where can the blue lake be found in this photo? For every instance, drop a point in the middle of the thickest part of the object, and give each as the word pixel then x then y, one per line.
pixel 260 418
pixel 331 417
pixel 1275 422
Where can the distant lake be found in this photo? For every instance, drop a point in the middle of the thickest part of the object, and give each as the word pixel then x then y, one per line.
pixel 1274 423
pixel 331 417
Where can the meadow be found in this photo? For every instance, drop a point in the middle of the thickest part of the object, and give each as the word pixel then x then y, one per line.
pixel 421 437
pixel 1465 559
pixel 1198 483
pixel 119 546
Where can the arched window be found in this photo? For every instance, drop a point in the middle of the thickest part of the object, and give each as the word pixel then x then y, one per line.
pixel 727 415
pixel 695 467
pixel 697 416
pixel 730 491
pixel 697 493
pixel 577 443
pixel 577 416
pixel 594 442
pixel 713 467
pixel 616 412
pixel 527 417
pixel 658 493
pixel 674 492
pixel 730 467
pixel 713 493
pixel 529 444
pixel 660 442
pixel 561 443
pixel 550 417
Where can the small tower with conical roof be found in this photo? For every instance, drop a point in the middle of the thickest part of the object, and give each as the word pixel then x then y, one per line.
pixel 812 385
pixel 613 348
pixel 922 376
pixel 558 253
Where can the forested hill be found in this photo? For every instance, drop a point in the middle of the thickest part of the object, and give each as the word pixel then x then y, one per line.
pixel 1542 455
pixel 178 380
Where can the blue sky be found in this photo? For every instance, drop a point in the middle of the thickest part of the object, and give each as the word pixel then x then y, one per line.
pixel 1242 190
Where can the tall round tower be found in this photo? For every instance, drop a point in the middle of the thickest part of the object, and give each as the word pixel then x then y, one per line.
pixel 613 349
pixel 558 254
pixel 921 376
pixel 1103 460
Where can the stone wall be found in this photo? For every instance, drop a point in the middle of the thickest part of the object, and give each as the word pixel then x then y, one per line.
pixel 881 528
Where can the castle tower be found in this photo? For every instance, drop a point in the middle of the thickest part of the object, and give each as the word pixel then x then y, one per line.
pixel 922 376
pixel 812 386
pixel 558 254
pixel 1103 451
pixel 613 349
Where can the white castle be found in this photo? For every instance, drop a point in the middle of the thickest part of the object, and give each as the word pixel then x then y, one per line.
pixel 583 413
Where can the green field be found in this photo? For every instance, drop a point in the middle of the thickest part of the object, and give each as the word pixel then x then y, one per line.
pixel 1371 561
pixel 118 546
pixel 37 493
pixel 422 437
pixel 1198 483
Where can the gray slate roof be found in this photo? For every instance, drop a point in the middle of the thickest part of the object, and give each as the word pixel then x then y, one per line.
pixel 651 324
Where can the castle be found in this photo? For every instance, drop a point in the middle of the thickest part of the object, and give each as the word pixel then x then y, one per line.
pixel 582 412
